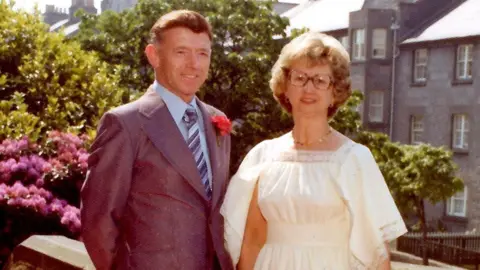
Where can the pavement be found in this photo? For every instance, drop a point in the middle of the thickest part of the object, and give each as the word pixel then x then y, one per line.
pixel 407 266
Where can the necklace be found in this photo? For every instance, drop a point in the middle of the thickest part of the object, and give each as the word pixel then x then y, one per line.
pixel 320 140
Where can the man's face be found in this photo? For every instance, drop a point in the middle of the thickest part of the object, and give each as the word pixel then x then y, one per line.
pixel 181 61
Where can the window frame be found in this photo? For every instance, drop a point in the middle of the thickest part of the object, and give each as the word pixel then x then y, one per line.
pixel 465 62
pixel 379 45
pixel 380 107
pixel 358 48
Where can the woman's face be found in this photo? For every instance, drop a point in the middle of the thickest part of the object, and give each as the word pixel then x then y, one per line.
pixel 309 88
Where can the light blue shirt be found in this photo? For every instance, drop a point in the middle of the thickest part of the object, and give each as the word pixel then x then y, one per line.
pixel 177 107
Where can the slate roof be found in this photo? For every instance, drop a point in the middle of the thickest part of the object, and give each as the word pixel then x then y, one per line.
pixel 54 27
pixel 322 15
pixel 463 21
pixel 69 28
pixel 72 29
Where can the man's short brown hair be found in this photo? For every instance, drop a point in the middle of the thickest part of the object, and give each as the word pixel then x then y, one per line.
pixel 180 18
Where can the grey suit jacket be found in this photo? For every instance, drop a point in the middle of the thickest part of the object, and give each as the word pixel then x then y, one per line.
pixel 143 203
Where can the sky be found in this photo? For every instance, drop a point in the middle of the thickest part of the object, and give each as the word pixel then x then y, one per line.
pixel 29 4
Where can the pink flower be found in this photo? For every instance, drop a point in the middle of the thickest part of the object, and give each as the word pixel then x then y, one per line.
pixel 83 166
pixel 10 149
pixel 14 201
pixel 18 190
pixel 22 166
pixel 67 157
pixel 83 157
pixel 42 206
pixel 3 191
pixel 56 164
pixel 14 168
pixel 40 182
pixel 10 162
pixel 54 134
pixel 33 189
pixel 47 167
pixel 57 206
pixel 23 144
pixel 44 193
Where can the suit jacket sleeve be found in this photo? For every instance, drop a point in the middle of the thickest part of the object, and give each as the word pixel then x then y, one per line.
pixel 105 191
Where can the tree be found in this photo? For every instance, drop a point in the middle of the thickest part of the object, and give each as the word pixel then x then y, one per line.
pixel 51 82
pixel 414 173
pixel 430 175
pixel 16 121
pixel 347 120
pixel 243 54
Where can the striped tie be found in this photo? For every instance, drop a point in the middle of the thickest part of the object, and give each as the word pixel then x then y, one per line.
pixel 193 141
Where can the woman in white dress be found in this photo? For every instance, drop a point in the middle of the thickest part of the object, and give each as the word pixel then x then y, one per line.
pixel 312 198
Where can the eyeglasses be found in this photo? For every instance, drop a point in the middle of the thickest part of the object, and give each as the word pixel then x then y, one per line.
pixel 298 78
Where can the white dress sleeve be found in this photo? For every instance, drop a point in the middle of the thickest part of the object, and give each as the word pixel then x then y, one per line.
pixel 375 217
pixel 237 200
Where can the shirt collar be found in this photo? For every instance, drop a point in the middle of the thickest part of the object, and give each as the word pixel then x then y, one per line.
pixel 175 104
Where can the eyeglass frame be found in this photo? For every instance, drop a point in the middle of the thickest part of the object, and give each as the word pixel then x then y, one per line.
pixel 288 71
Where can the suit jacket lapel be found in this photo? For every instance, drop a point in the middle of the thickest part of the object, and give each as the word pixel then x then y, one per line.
pixel 162 130
pixel 213 152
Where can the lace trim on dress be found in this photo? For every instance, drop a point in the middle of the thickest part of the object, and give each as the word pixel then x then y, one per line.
pixel 381 256
pixel 293 155
pixel 393 230
pixel 303 156
pixel 389 232
pixel 356 264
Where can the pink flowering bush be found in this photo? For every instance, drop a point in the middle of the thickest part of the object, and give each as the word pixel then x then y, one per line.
pixel 67 167
pixel 19 162
pixel 40 187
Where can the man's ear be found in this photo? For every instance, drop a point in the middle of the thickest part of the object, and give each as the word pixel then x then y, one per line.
pixel 152 55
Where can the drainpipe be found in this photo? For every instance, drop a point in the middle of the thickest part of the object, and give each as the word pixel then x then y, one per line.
pixel 395 54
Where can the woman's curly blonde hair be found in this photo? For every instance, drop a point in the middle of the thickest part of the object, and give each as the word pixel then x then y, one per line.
pixel 317 48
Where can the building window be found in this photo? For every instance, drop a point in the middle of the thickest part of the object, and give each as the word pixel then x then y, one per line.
pixel 420 65
pixel 457 204
pixel 464 62
pixel 379 43
pixel 375 110
pixel 416 129
pixel 344 41
pixel 460 131
pixel 359 44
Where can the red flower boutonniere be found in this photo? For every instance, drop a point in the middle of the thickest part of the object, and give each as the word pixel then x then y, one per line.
pixel 223 126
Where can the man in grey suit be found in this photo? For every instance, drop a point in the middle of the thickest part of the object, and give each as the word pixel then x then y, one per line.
pixel 158 167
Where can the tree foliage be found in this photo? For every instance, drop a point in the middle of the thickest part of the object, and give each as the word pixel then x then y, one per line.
pixel 16 121
pixel 55 81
